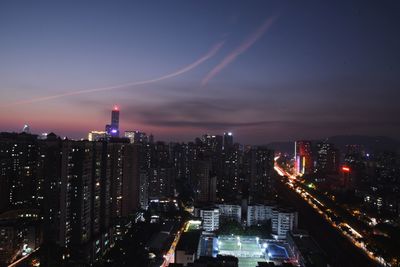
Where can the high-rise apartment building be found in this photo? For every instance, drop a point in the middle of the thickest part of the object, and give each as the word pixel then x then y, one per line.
pixel 258 171
pixel 79 189
pixel 228 141
pixel 136 178
pixel 205 183
pixel 136 137
pixel 18 170
pixel 97 135
pixel 328 158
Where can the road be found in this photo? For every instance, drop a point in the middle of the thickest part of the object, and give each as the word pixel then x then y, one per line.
pixel 342 243
pixel 340 251
pixel 169 257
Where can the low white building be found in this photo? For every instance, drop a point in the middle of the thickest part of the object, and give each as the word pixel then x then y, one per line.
pixel 258 214
pixel 210 218
pixel 230 212
pixel 283 220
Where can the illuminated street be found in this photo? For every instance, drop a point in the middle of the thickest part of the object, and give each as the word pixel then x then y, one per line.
pixel 199 133
pixel 325 212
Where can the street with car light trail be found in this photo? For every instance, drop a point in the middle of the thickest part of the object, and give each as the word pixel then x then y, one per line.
pixel 342 243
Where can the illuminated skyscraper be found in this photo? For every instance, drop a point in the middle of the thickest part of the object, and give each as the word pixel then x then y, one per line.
pixel 115 117
pixel 303 157
pixel 113 128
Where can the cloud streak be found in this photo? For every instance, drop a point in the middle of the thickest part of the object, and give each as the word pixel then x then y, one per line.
pixel 207 125
pixel 181 71
pixel 246 44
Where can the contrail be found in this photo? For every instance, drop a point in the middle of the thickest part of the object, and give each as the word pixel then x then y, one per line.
pixel 246 44
pixel 183 70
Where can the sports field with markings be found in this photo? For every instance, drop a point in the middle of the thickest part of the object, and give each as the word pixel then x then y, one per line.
pixel 249 250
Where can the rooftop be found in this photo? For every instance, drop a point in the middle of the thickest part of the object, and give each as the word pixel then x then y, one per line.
pixel 189 241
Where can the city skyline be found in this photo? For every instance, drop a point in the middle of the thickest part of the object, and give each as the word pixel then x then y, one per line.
pixel 199 133
pixel 267 72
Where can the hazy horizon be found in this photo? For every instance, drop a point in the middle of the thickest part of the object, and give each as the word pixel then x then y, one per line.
pixel 270 71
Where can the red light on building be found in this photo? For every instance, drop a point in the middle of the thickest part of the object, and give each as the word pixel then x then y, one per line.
pixel 116 108
pixel 345 169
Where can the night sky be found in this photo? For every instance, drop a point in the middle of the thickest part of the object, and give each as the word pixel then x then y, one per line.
pixel 265 70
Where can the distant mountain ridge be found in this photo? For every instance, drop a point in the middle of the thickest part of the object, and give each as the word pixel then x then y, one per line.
pixel 370 143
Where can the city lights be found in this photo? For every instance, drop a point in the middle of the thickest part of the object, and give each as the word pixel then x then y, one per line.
pixel 170 133
pixel 345 169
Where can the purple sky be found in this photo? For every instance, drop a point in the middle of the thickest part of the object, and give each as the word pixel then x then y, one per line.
pixel 265 70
